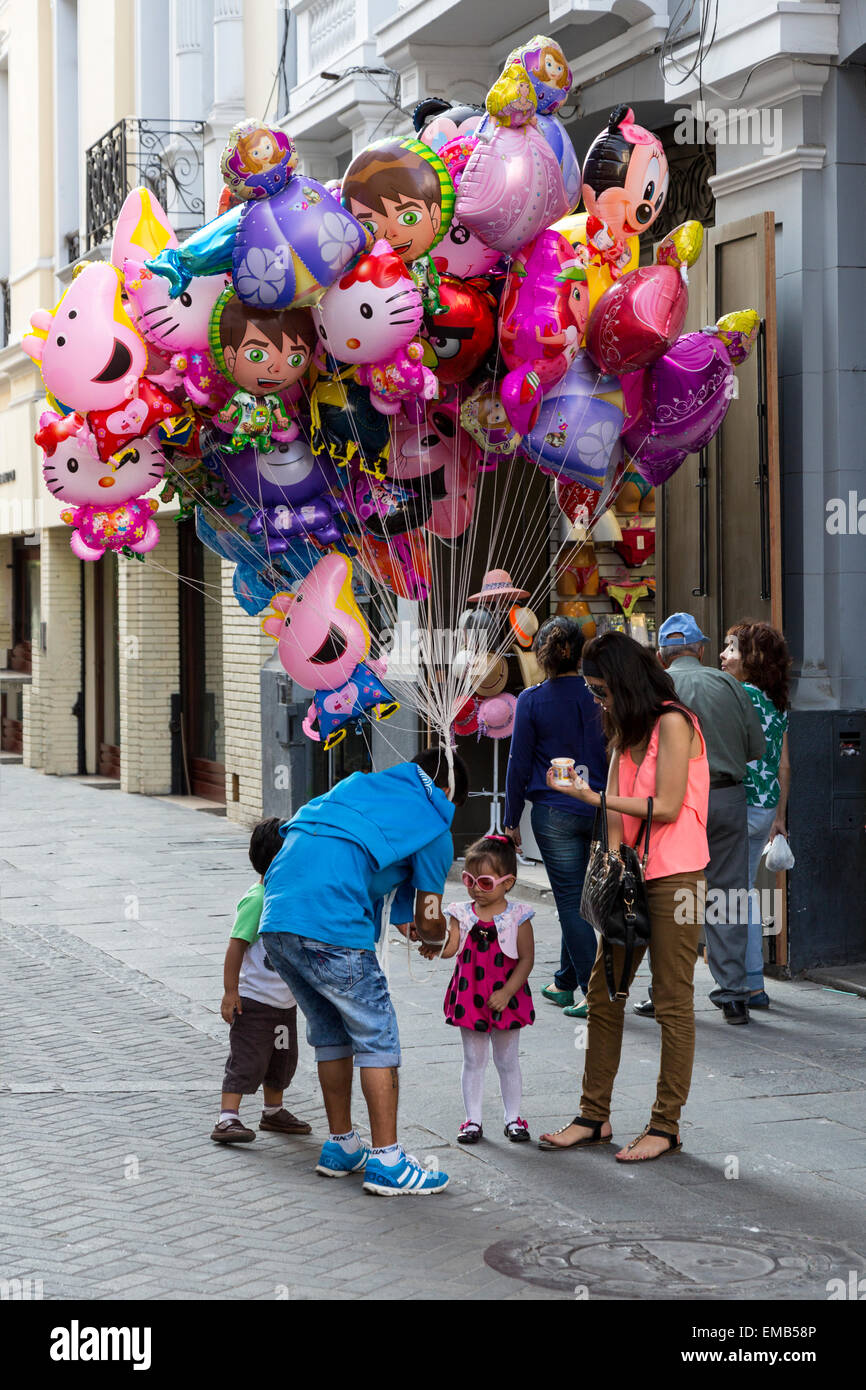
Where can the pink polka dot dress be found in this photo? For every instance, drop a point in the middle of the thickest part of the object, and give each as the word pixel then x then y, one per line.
pixel 485 958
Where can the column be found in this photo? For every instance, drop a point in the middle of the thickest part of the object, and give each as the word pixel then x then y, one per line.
pixel 149 664
pixel 245 650
pixel 50 727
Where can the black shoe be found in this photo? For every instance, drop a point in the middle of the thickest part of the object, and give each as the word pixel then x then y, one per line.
pixel 736 1011
pixel 645 1009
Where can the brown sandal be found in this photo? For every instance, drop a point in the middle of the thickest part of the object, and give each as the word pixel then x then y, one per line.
pixel 674 1146
pixel 595 1139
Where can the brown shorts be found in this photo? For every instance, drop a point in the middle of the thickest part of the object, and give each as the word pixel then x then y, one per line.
pixel 263 1048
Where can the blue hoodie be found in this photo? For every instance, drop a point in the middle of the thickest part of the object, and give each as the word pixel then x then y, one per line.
pixel 344 851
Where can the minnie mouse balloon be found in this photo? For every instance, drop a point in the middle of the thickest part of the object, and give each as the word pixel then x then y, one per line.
pixel 625 176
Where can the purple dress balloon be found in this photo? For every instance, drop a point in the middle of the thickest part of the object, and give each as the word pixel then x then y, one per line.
pixel 576 433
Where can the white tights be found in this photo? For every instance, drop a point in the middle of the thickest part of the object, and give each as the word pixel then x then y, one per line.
pixel 506 1058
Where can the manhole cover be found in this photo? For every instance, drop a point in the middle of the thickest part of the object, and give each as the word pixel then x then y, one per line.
pixel 638 1262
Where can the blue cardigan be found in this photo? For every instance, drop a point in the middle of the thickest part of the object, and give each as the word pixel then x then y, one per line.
pixel 556 719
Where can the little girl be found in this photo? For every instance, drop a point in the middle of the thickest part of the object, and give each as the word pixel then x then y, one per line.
pixel 488 997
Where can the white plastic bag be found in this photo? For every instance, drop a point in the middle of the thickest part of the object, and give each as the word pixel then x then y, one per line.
pixel 778 854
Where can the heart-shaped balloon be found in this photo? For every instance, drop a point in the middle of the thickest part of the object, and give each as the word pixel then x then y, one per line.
pixel 685 399
pixel 638 318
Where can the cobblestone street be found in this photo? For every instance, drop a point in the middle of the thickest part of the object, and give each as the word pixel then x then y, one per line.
pixel 115 915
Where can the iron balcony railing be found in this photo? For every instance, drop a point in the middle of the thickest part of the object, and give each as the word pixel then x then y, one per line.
pixel 5 313
pixel 166 156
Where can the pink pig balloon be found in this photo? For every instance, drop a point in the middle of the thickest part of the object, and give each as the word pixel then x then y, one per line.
pixel 511 188
pixel 89 352
pixel 320 632
pixel 544 312
pixel 638 319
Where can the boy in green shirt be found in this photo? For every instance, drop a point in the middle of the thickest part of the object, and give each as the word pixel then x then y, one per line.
pixel 263 1042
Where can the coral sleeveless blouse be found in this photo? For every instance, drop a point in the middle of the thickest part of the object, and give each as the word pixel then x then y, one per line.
pixel 679 846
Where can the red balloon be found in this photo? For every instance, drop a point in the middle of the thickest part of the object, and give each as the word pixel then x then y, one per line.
pixel 637 319
pixel 462 335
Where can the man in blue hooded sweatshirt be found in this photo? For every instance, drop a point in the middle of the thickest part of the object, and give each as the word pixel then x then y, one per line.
pixel 371 835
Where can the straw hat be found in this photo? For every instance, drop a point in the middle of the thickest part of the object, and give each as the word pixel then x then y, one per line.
pixel 494 680
pixel 530 671
pixel 497 584
pixel 524 625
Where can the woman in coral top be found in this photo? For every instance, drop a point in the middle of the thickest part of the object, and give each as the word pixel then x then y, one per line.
pixel 657 751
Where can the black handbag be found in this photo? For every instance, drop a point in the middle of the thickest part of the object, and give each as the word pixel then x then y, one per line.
pixel 614 898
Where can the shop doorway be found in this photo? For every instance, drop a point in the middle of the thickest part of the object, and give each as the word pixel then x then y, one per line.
pixel 719 542
pixel 198 750
pixel 26 631
pixel 101 672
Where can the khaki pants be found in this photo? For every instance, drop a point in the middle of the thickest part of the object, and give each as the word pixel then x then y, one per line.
pixel 673 948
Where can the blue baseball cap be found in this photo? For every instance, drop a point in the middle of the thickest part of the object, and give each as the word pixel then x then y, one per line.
pixel 686 629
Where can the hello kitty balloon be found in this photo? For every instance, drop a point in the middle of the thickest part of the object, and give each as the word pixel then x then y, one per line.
pixel 176 328
pixel 107 511
pixel 322 642
pixel 372 317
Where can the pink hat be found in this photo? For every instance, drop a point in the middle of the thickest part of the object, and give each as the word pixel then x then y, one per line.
pixel 497 584
pixel 496 716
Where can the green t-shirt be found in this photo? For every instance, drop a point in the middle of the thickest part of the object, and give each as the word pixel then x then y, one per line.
pixel 249 913
pixel 258 979
pixel 762 777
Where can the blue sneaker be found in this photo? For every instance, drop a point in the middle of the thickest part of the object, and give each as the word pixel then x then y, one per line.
pixel 334 1162
pixel 404 1178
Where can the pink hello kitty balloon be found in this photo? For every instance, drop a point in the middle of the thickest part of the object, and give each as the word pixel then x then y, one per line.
pixel 461 252
pixel 176 328
pixel 87 348
pixel 544 312
pixel 372 317
pixel 106 506
pixel 320 632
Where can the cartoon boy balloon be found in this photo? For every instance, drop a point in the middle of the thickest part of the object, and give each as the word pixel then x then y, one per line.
pixel 262 352
pixel 401 192
pixel 625 182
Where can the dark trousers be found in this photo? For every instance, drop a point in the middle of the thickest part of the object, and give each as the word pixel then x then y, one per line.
pixel 564 840
pixel 726 920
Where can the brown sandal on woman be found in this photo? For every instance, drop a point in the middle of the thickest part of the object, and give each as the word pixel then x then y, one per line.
pixel 674 1146
pixel 595 1139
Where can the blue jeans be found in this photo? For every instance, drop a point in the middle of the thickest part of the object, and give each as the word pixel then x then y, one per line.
pixel 344 997
pixel 760 820
pixel 564 840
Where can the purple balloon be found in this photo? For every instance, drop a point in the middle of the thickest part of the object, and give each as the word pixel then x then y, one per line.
pixel 686 395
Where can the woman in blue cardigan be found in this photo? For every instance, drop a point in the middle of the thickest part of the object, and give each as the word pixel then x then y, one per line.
pixel 559 719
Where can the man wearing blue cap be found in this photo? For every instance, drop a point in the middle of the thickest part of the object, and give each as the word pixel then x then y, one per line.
pixel 734 737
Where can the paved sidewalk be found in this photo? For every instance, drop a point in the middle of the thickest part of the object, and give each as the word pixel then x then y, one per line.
pixel 114 916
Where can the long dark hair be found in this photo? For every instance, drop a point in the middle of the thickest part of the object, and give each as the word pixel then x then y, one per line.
pixel 639 686
pixel 765 658
pixel 558 646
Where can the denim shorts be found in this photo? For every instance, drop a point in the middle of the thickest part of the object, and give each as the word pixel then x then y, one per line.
pixel 344 997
